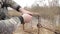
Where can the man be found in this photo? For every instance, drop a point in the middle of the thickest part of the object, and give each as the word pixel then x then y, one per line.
pixel 7 26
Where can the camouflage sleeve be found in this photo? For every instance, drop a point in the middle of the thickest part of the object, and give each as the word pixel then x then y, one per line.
pixel 9 25
pixel 14 5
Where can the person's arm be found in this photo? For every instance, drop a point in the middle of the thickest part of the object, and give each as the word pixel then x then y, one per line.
pixel 9 25
pixel 17 7
pixel 25 18
pixel 14 5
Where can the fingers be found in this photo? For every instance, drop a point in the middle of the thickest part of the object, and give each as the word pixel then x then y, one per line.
pixel 27 18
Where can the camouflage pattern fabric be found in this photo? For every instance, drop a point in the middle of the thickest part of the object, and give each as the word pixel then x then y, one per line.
pixel 9 3
pixel 9 26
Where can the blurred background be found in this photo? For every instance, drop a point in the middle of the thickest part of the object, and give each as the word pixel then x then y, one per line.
pixel 49 11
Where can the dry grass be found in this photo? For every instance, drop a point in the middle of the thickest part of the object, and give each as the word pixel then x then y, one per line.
pixel 46 13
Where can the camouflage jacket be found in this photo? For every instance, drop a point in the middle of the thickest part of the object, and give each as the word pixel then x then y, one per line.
pixel 7 3
pixel 8 26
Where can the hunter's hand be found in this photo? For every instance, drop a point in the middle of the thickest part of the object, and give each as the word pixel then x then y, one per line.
pixel 27 18
pixel 23 11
